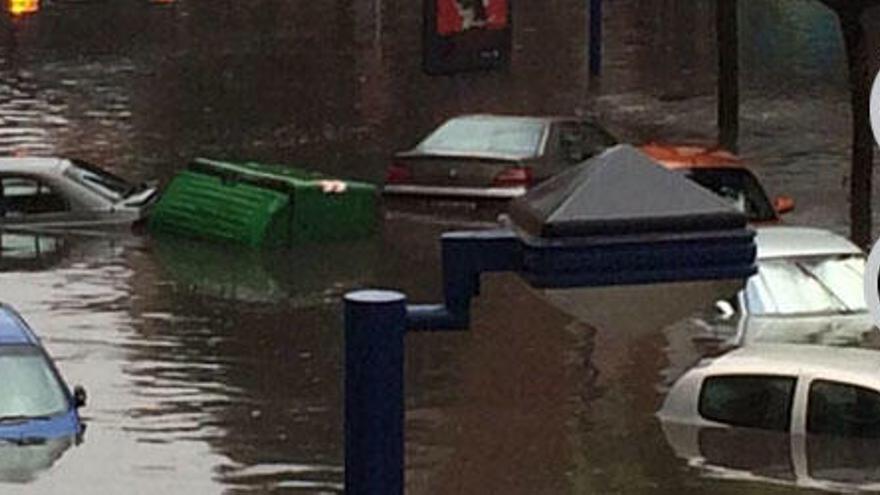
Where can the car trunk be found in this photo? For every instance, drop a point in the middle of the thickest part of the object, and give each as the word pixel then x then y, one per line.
pixel 458 171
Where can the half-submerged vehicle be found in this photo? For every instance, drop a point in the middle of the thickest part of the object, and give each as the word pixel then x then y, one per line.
pixel 35 403
pixel 493 157
pixel 808 289
pixel 60 193
pixel 724 174
pixel 806 416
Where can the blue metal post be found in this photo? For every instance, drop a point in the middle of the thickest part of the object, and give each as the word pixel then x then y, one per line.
pixel 375 324
pixel 595 37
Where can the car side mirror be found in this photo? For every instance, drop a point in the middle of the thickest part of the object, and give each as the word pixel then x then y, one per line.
pixel 783 204
pixel 79 396
pixel 724 310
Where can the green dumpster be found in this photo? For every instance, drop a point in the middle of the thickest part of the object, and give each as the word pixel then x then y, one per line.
pixel 263 205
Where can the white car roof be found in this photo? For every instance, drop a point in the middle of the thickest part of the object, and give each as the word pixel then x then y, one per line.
pixel 34 165
pixel 543 119
pixel 788 242
pixel 848 364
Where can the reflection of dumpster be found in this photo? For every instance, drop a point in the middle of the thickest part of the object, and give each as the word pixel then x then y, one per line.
pixel 263 205
pixel 304 276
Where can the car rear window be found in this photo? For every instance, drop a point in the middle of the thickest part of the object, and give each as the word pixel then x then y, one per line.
pixel 99 180
pixel 754 401
pixel 502 136
pixel 807 285
pixel 739 187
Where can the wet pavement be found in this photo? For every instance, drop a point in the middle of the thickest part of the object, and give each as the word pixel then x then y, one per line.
pixel 215 370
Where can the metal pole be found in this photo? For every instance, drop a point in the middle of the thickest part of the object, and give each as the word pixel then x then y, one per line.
pixel 595 37
pixel 375 324
pixel 858 55
pixel 727 33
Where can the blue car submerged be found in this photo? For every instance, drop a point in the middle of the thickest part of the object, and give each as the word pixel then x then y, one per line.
pixel 35 403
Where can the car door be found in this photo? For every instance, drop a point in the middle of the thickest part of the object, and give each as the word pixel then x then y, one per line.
pixel 836 429
pixel 841 409
pixel 25 199
pixel 755 410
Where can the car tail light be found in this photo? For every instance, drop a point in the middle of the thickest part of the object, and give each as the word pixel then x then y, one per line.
pixel 397 173
pixel 514 176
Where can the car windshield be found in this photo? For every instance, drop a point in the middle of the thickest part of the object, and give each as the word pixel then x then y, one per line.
pixel 503 136
pixel 100 180
pixel 807 286
pixel 739 187
pixel 28 386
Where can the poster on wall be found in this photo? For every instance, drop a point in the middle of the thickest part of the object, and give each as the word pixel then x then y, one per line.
pixel 466 35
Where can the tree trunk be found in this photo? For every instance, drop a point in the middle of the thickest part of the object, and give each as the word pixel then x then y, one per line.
pixel 862 144
pixel 726 31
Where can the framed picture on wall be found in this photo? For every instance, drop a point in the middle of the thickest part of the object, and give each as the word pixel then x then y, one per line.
pixel 466 35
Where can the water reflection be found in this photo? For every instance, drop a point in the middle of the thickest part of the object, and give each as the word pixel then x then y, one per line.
pixel 24 251
pixel 826 463
pixel 23 463
pixel 306 275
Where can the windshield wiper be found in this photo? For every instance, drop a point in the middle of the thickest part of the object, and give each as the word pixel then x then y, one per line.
pixel 23 417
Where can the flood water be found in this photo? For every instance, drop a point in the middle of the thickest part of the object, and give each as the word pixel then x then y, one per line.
pixel 214 370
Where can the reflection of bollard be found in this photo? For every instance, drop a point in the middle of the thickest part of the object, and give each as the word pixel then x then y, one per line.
pixel 375 324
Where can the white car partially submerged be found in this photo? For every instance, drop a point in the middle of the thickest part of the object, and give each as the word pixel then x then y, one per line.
pixel 808 289
pixel 59 193
pixel 782 413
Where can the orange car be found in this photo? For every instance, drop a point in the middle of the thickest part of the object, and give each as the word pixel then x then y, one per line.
pixel 724 174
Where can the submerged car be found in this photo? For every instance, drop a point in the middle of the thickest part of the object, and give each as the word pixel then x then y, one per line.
pixel 724 174
pixel 35 402
pixel 808 289
pixel 65 193
pixel 782 387
pixel 493 156
pixel 781 413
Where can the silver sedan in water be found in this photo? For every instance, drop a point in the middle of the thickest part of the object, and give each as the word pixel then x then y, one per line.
pixel 493 156
pixel 59 193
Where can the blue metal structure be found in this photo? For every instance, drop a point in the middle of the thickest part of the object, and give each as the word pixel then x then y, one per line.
pixel 588 238
pixel 16 336
pixel 374 392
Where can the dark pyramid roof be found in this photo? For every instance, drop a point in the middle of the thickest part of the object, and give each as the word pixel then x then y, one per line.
pixel 622 191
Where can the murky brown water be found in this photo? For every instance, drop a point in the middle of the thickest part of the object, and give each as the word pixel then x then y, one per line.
pixel 212 370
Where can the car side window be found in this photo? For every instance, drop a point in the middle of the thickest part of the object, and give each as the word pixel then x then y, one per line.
pixel 754 401
pixel 572 142
pixel 843 410
pixel 581 140
pixel 26 196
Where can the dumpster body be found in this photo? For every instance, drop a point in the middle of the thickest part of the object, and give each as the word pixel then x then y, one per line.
pixel 263 205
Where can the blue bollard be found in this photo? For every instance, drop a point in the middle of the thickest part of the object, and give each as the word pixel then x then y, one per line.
pixel 375 324
pixel 595 37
